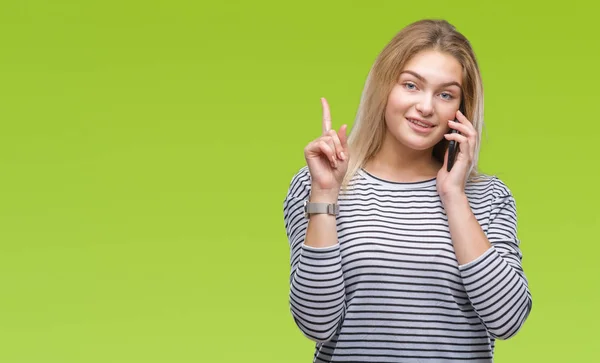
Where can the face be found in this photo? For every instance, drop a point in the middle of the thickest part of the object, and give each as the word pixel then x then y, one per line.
pixel 426 96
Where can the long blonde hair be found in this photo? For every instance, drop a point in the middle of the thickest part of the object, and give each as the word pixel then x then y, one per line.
pixel 368 131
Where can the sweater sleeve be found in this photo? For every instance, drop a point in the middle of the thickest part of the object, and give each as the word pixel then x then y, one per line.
pixel 317 292
pixel 495 282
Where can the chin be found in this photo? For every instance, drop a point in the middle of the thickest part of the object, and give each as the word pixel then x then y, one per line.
pixel 419 146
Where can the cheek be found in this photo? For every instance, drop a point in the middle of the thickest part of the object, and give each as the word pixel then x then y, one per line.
pixel 397 102
pixel 446 113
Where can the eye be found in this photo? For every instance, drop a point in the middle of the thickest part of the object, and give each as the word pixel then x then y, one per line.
pixel 447 96
pixel 410 86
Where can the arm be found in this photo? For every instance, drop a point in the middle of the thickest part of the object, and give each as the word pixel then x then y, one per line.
pixel 490 264
pixel 317 293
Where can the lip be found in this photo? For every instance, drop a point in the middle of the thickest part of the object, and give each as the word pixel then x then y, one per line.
pixel 420 129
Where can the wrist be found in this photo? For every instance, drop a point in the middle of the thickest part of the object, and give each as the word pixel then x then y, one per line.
pixel 454 198
pixel 323 195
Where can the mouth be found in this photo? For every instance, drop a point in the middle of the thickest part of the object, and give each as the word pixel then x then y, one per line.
pixel 420 123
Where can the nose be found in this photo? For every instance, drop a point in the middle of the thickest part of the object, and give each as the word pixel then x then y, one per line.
pixel 425 106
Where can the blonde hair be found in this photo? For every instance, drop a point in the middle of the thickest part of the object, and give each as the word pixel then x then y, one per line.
pixel 368 131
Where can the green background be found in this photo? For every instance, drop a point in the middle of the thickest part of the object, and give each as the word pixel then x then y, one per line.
pixel 146 148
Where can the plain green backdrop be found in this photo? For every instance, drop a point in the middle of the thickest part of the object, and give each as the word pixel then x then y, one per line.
pixel 146 148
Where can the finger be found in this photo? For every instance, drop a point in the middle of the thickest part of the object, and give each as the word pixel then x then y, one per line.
pixel 466 122
pixel 461 117
pixel 322 149
pixel 461 139
pixel 330 141
pixel 465 129
pixel 465 147
pixel 326 116
pixel 456 136
pixel 328 151
pixel 343 137
pixel 339 150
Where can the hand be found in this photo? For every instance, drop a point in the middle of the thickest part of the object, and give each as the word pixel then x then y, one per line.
pixel 453 182
pixel 327 157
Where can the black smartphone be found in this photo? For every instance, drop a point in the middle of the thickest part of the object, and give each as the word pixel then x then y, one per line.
pixel 453 145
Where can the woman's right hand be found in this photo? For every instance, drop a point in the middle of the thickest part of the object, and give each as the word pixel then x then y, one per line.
pixel 327 157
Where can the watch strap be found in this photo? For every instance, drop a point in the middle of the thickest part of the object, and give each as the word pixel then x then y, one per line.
pixel 320 208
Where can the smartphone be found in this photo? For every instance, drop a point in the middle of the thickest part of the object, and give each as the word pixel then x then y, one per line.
pixel 453 146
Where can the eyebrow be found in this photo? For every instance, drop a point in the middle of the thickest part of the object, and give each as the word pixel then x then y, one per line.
pixel 420 77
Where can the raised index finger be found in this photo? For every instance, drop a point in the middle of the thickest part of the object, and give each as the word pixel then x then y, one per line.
pixel 326 116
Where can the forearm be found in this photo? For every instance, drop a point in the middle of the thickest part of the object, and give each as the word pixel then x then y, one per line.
pixel 317 292
pixel 494 282
pixel 498 292
pixel 468 238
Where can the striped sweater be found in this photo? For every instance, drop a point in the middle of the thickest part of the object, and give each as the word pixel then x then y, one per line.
pixel 392 290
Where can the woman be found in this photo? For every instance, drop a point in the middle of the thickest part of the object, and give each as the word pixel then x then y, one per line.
pixel 395 256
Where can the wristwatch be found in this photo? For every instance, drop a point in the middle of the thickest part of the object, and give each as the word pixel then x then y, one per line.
pixel 320 208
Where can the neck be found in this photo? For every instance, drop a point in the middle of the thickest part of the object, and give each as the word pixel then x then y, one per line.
pixel 398 163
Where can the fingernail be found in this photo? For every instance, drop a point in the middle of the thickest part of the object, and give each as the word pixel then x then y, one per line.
pixel 343 156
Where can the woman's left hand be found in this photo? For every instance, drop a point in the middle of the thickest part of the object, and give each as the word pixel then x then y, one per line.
pixel 453 182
